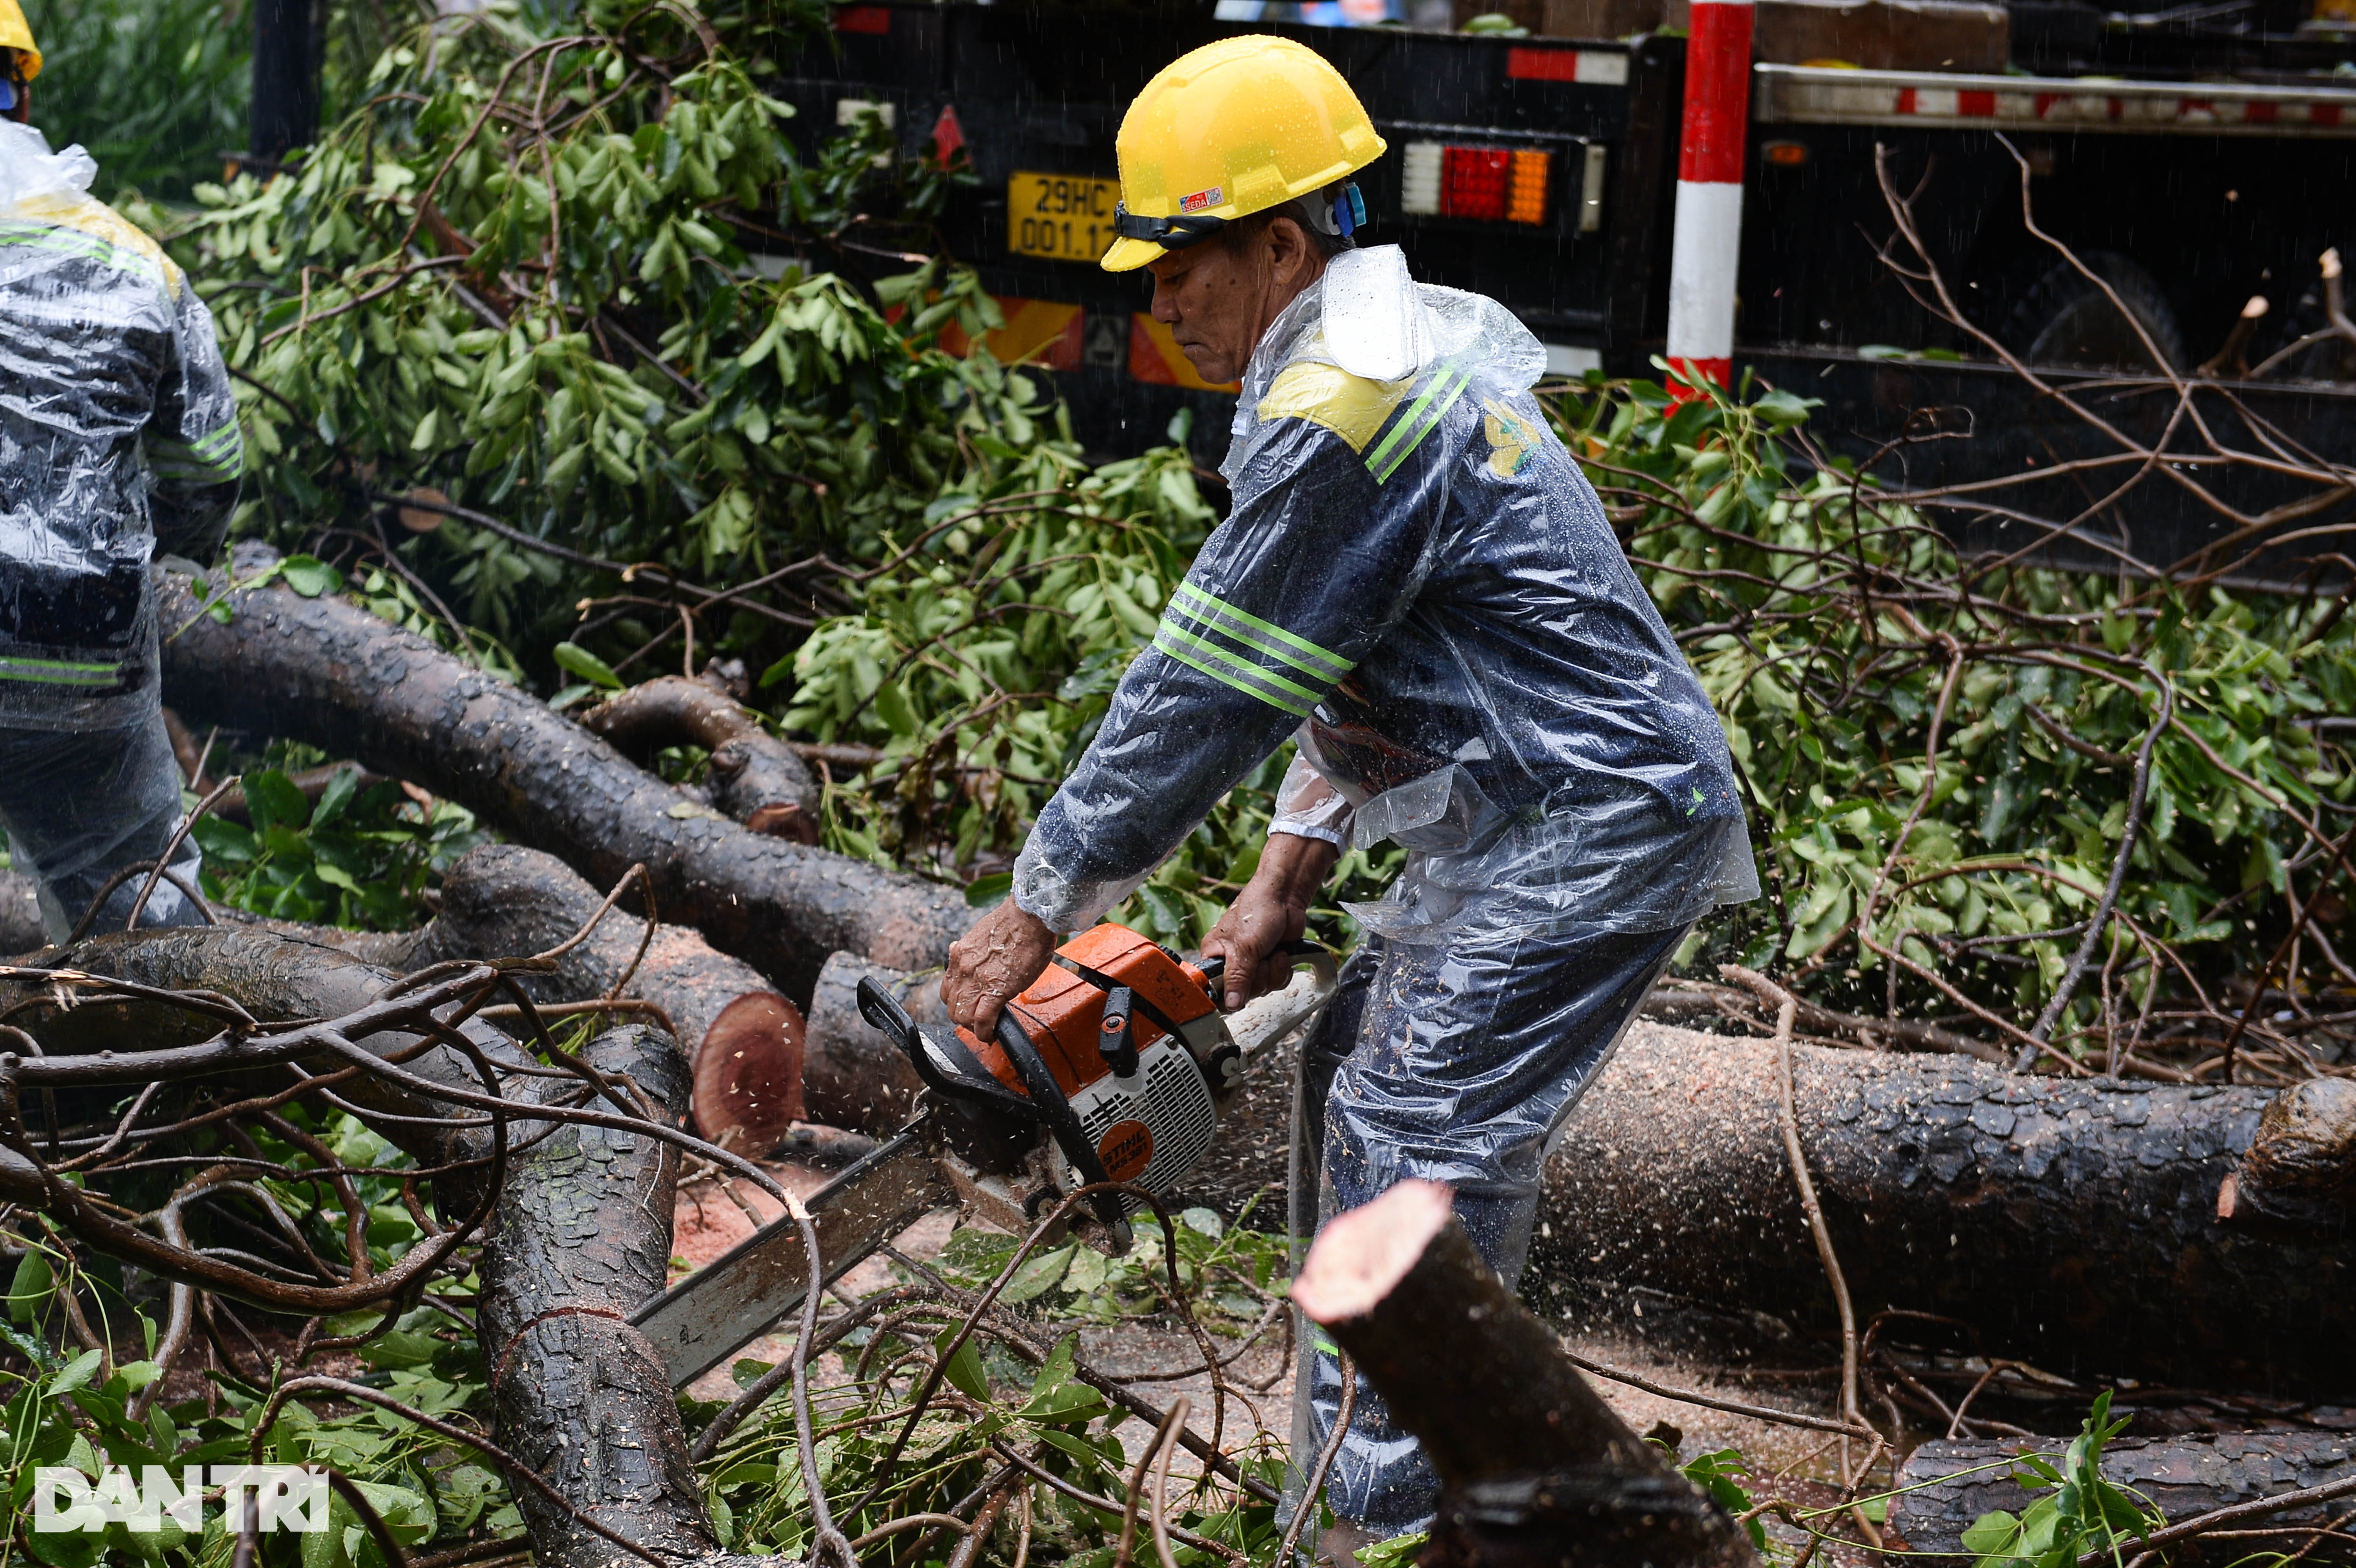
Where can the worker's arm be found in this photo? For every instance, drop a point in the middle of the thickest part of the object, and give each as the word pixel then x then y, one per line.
pixel 192 440
pixel 1299 585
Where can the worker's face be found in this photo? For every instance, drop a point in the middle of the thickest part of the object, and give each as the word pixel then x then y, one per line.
pixel 20 108
pixel 1216 298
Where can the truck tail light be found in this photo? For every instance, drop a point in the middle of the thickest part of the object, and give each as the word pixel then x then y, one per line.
pixel 1475 186
pixel 1525 191
pixel 1494 184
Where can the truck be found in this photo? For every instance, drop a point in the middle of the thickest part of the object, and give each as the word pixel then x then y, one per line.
pixel 2197 160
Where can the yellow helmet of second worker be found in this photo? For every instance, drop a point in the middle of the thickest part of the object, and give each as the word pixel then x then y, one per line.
pixel 1234 128
pixel 15 35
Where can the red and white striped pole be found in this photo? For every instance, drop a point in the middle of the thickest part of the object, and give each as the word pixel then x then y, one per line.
pixel 1709 235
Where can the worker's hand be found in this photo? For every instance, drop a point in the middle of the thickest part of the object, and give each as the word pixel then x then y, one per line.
pixel 1271 911
pixel 1007 949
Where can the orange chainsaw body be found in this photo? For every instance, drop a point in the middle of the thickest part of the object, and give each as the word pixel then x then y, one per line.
pixel 1063 1012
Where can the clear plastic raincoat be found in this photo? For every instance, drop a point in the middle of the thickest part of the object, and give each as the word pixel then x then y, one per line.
pixel 117 432
pixel 1417 581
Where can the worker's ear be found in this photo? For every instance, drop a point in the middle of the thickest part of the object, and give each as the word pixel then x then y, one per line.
pixel 1291 259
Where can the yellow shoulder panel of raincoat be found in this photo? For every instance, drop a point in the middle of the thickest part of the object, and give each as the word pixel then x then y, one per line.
pixel 85 216
pixel 1350 406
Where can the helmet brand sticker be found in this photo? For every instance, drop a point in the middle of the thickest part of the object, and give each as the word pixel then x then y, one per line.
pixel 1203 199
pixel 1126 1149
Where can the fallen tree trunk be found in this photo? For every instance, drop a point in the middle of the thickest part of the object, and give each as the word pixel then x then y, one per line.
pixel 743 1039
pixel 755 778
pixel 332 674
pixel 582 1236
pixel 2073 1222
pixel 2073 1219
pixel 274 978
pixel 1534 1467
pixel 1945 1485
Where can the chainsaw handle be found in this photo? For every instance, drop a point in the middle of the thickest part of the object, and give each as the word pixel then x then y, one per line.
pixel 1215 967
pixel 881 1008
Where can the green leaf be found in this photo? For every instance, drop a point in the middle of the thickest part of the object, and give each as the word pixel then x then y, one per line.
pixel 893 707
pixel 984 892
pixel 1399 1552
pixel 310 576
pixel 31 1288
pixel 1990 1534
pixel 400 1348
pixel 574 659
pixel 76 1373
pixel 341 786
pixel 1037 1274
pixel 272 801
pixel 1781 410
pixel 964 1369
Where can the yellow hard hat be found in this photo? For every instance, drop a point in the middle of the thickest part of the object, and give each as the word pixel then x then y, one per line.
pixel 15 35
pixel 1234 128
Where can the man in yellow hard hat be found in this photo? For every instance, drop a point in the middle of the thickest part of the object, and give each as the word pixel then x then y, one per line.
pixel 20 62
pixel 1415 583
pixel 118 432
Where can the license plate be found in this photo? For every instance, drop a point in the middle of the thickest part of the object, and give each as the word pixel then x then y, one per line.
pixel 1064 217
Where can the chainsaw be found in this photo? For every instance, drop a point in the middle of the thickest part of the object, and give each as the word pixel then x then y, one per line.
pixel 1111 1068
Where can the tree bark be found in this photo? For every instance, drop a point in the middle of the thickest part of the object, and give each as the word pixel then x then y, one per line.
pixel 331 673
pixel 755 777
pixel 2072 1221
pixel 1945 1485
pixel 582 1236
pixel 1536 1468
pixel 743 1039
pixel 851 1075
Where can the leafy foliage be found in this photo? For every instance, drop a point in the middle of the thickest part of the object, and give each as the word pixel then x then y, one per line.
pixel 2082 1512
pixel 74 1409
pixel 1826 623
pixel 518 278
pixel 156 90
pixel 358 857
pixel 1233 1274
pixel 993 1402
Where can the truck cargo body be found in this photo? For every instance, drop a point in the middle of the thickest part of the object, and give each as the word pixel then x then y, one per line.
pixel 1541 171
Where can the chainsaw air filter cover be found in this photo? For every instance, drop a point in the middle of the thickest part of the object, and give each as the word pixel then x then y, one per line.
pixel 1149 1124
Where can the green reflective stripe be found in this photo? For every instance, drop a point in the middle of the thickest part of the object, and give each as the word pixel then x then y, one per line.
pixel 1263 636
pixel 1226 668
pixel 214 444
pixel 176 457
pixel 1324 1342
pixel 41 237
pixel 1422 416
pixel 59 672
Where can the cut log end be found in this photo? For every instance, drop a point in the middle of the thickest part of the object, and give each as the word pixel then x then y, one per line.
pixel 1361 1257
pixel 748 1073
pixel 2302 1166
